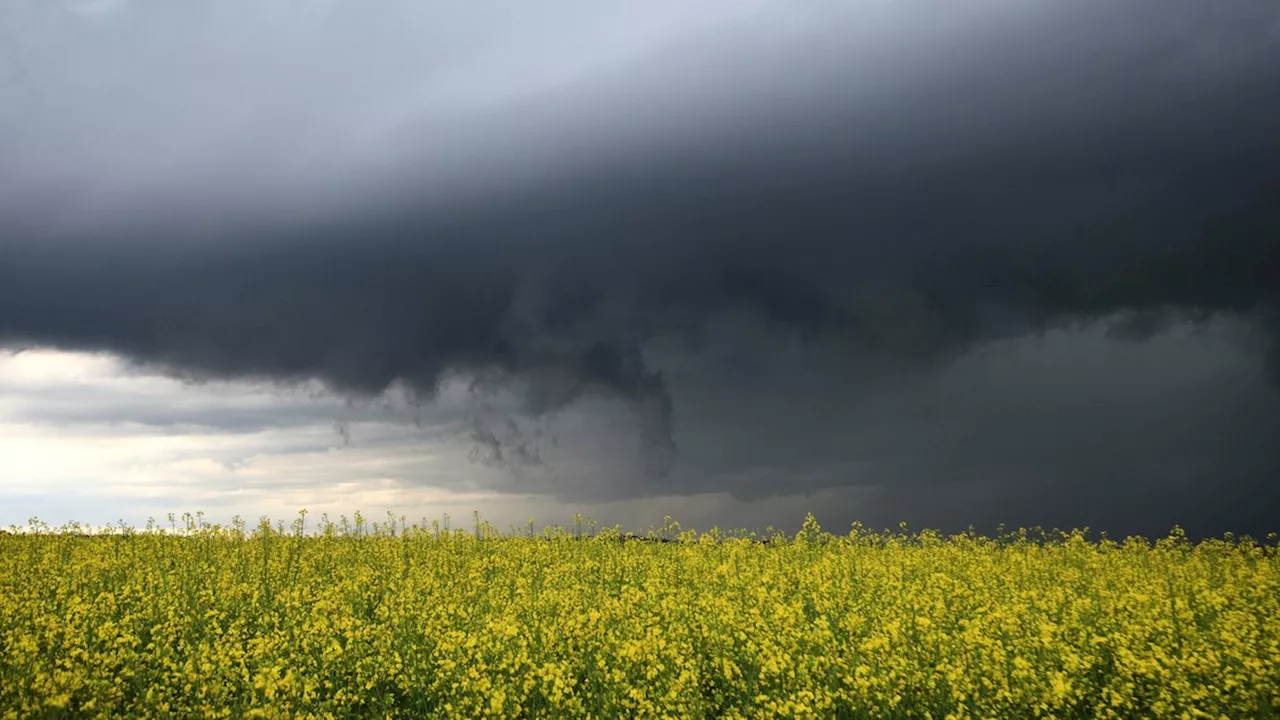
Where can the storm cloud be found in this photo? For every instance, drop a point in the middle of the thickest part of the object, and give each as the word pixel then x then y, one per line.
pixel 772 233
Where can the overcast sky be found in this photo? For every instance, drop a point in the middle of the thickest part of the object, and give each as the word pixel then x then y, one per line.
pixel 952 263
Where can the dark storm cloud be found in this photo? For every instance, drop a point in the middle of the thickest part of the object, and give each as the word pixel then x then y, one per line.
pixel 893 184
pixel 1123 436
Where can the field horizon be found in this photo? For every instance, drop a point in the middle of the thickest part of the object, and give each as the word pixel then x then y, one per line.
pixel 586 527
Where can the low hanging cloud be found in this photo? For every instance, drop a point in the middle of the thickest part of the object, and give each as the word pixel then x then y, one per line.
pixel 641 206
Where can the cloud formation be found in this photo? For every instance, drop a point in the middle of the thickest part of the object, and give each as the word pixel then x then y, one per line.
pixel 583 204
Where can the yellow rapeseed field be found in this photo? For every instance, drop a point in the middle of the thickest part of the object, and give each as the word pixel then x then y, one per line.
pixel 393 620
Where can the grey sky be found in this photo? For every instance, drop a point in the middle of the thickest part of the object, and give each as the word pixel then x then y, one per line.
pixel 909 251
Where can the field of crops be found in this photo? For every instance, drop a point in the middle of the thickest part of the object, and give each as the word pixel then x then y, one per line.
pixel 400 620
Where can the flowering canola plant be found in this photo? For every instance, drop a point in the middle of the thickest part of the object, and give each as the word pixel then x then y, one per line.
pixel 392 620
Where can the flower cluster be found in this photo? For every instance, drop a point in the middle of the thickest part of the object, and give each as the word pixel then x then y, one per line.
pixel 415 621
